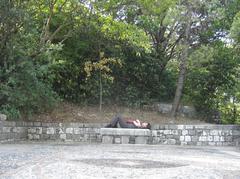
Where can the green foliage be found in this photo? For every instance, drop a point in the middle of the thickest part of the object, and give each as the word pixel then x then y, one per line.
pixel 25 94
pixel 24 88
pixel 128 49
pixel 212 78
pixel 235 29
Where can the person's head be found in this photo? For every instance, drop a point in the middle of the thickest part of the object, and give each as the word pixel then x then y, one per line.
pixel 146 125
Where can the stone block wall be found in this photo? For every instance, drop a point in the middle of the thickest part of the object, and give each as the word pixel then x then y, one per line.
pixel 13 131
pixel 217 135
pixel 65 132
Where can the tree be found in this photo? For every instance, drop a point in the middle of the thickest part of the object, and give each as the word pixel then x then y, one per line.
pixel 183 60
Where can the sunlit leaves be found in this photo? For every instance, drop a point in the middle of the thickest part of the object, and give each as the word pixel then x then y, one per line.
pixel 103 66
pixel 235 29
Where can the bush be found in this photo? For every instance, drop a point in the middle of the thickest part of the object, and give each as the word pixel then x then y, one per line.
pixel 24 93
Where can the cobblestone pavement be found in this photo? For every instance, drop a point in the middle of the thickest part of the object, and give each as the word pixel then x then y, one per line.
pixel 77 160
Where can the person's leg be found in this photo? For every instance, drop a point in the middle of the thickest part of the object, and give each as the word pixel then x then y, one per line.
pixel 115 121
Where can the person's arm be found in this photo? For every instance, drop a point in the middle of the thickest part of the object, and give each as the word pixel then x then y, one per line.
pixel 137 123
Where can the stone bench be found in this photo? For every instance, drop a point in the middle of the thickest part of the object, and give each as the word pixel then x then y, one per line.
pixel 125 136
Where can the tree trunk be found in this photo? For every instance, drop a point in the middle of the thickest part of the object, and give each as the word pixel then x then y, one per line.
pixel 100 91
pixel 183 65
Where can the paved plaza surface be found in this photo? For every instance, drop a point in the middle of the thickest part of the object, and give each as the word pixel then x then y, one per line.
pixel 78 160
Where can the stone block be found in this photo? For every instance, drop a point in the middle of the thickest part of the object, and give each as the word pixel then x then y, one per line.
pixel 215 132
pixel 166 132
pixel 182 138
pixel 181 127
pixel 44 130
pixel 125 139
pixel 228 144
pixel 164 108
pixel 192 132
pixel 195 138
pixel 183 143
pixel 229 138
pixel 199 127
pixel 155 140
pixel 20 124
pixel 150 140
pixel 175 132
pixel 159 132
pixel 222 139
pixel 37 124
pixel 154 132
pixel 107 139
pixel 58 131
pixel 28 124
pixel 30 136
pixel 45 136
pixel 16 130
pixel 189 127
pixel 169 136
pixel 61 131
pixel 141 140
pixel 52 124
pixel 172 127
pixel 76 131
pixel 75 137
pixel 202 138
pixel 192 143
pixel 210 138
pixel 69 131
pixel 69 136
pixel 31 130
pixel 216 138
pixel 212 143
pixel 171 141
pixel 188 111
pixel 205 133
pixel 39 130
pixel 54 136
pixel 236 132
pixel 219 143
pixel 3 117
pixel 162 127
pixel 9 123
pixel 199 132
pixel 188 138
pixel 155 127
pixel 131 139
pixel 184 132
pixel 117 140
pixel 230 132
pixel 50 131
pixel 7 129
pixel 85 137
pixel 63 137
pixel 36 136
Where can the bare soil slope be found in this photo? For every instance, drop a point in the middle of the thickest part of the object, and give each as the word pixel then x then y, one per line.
pixel 68 112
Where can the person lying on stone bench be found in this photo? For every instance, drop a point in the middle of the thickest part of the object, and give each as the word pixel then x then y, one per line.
pixel 128 123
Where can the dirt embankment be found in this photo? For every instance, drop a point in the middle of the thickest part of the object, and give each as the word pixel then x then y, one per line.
pixel 68 112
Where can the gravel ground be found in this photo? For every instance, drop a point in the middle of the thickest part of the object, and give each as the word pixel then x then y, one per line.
pixel 78 160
